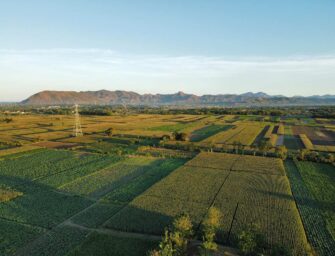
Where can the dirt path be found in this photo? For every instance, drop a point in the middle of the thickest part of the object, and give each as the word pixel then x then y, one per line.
pixel 115 233
pixel 227 250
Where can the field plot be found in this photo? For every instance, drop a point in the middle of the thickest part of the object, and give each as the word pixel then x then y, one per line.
pixel 127 192
pixel 317 135
pixel 258 192
pixel 267 197
pixel 315 202
pixel 214 160
pixel 55 144
pixel 265 165
pixel 291 141
pixel 35 176
pixel 57 242
pixel 13 235
pixel 38 205
pixel 96 215
pixel 178 192
pixel 266 201
pixel 44 164
pixel 8 194
pixel 104 244
pixel 101 182
pixel 261 135
pixel 224 136
pixel 207 131
pixel 279 226
pixel 15 150
pixel 49 135
pixel 320 180
pixel 243 133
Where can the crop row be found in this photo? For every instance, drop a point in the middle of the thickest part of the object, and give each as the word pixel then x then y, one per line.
pixel 233 162
pixel 49 164
pixel 39 205
pixel 13 235
pixel 179 192
pixel 250 196
pixel 101 182
pixel 223 137
pixel 106 244
pixel 56 242
pixel 207 131
pixel 247 136
pixel 310 211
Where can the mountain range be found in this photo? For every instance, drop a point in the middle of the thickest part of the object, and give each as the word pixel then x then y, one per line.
pixel 105 97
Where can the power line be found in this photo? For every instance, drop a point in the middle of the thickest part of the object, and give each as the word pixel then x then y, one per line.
pixel 77 131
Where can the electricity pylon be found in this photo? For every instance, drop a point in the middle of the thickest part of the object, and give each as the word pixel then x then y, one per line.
pixel 77 131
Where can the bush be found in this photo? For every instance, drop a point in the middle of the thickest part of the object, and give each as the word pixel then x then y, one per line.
pixel 180 136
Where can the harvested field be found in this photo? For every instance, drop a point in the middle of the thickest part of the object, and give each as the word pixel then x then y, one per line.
pixel 317 135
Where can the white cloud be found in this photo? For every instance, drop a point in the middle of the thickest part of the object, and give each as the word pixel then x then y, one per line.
pixel 23 72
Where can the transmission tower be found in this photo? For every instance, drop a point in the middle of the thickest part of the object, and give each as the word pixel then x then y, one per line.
pixel 77 131
pixel 124 105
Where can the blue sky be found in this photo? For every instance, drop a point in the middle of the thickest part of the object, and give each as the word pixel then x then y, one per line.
pixel 203 47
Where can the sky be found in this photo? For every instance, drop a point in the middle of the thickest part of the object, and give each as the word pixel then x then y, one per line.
pixel 164 46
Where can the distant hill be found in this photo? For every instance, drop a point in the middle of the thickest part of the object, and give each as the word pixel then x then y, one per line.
pixel 104 97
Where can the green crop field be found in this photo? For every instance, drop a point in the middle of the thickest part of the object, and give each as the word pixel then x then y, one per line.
pixel 207 131
pixel 114 194
pixel 232 190
pixel 313 187
pixel 104 244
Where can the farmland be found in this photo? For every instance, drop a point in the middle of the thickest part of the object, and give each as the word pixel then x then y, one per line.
pixel 90 195
pixel 154 209
pixel 315 203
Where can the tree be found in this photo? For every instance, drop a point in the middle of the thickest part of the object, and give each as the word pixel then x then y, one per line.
pixel 264 146
pixel 210 225
pixel 253 148
pixel 166 137
pixel 182 232
pixel 7 120
pixel 302 154
pixel 247 243
pixel 251 241
pixel 109 132
pixel 175 242
pixel 235 146
pixel 330 158
pixel 181 136
pixel 165 246
pixel 281 151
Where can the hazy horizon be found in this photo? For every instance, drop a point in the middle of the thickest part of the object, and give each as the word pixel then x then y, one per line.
pixel 213 47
